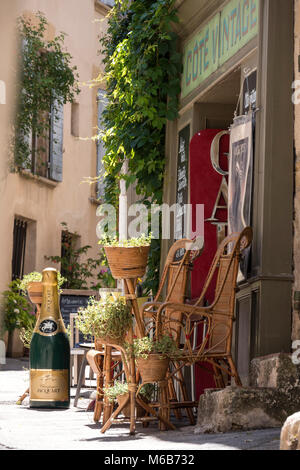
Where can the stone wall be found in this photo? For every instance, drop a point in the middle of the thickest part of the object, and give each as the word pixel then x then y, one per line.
pixel 273 396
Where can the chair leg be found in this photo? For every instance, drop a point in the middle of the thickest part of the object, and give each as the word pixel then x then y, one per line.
pixel 164 408
pixel 80 380
pixel 218 377
pixel 172 396
pixel 22 398
pixel 234 372
pixel 99 394
pixel 107 409
pixel 185 397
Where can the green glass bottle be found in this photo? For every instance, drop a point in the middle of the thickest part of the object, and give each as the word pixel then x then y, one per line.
pixel 50 351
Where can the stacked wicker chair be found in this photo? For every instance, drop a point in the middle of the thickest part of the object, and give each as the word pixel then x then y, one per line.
pixel 217 319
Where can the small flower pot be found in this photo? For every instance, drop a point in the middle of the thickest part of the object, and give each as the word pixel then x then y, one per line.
pixel 154 368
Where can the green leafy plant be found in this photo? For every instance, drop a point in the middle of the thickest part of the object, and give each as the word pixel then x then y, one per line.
pixel 142 71
pixel 121 388
pixel 105 318
pixel 118 389
pixel 143 240
pixel 18 311
pixel 143 347
pixel 105 277
pixel 47 80
pixel 92 273
pixel 26 334
pixel 37 277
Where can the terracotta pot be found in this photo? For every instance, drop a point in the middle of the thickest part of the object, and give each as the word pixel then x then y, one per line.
pixel 35 292
pixel 127 262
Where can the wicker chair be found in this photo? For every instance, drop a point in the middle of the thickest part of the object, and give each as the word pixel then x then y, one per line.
pixel 174 280
pixel 216 319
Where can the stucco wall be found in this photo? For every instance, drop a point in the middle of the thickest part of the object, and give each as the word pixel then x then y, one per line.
pixel 69 201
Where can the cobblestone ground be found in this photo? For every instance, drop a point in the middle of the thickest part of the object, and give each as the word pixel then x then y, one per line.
pixel 27 429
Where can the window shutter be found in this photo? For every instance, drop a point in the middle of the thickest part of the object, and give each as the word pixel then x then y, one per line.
pixel 109 2
pixel 56 141
pixel 102 103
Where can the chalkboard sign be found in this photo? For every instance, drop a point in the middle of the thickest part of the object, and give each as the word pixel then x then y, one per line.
pixel 249 92
pixel 182 184
pixel 70 302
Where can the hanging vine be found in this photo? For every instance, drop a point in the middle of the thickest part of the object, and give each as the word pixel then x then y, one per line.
pixel 142 67
pixel 47 79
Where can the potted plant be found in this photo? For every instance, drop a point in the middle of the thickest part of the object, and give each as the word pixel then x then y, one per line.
pixel 18 314
pixel 119 392
pixel 127 259
pixel 31 285
pixel 153 356
pixel 36 277
pixel 107 320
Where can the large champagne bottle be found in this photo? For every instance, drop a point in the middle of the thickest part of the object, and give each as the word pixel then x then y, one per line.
pixel 50 351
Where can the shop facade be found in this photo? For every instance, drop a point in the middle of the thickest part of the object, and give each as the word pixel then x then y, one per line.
pixel 238 60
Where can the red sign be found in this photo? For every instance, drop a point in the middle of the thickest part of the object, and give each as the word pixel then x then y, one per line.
pixel 208 185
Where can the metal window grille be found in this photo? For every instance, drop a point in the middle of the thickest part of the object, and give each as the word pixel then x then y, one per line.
pixel 19 247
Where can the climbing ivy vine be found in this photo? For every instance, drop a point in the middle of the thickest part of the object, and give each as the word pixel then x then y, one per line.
pixel 47 78
pixel 142 68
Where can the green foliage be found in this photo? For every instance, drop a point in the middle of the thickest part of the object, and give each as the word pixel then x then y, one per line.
pixel 105 318
pixel 142 67
pixel 143 240
pixel 105 277
pixel 37 277
pixel 47 78
pixel 79 274
pixel 26 334
pixel 18 312
pixel 120 388
pixel 115 391
pixel 142 347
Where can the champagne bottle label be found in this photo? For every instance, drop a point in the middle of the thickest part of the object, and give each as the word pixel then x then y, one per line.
pixel 49 385
pixel 49 327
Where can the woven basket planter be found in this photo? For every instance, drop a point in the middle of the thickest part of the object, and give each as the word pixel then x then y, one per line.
pixel 154 368
pixel 140 412
pixel 127 262
pixel 107 340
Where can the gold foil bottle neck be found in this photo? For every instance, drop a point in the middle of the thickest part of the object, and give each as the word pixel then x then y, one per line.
pixel 49 276
pixel 50 320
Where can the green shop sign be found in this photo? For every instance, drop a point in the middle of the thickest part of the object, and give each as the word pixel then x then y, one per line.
pixel 228 31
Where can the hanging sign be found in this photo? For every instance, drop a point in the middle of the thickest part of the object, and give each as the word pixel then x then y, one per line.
pixel 249 92
pixel 208 185
pixel 182 184
pixel 227 32
pixel 240 177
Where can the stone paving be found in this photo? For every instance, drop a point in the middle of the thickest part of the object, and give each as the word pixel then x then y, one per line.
pixel 26 429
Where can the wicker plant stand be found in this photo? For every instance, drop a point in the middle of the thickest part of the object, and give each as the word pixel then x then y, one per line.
pixel 128 264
